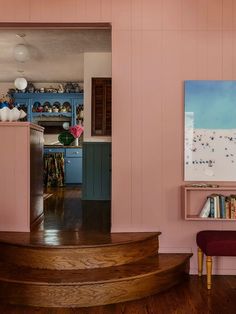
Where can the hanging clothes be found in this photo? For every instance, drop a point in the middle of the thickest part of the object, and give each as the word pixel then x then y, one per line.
pixel 54 172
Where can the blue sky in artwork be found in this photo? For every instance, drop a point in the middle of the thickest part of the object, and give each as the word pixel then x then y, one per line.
pixel 211 104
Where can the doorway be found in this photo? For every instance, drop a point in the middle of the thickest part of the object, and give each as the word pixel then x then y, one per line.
pixel 72 203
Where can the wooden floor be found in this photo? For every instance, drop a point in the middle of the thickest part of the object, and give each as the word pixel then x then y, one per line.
pixel 189 297
pixel 65 210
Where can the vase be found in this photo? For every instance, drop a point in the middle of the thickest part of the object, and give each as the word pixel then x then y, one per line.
pixel 76 142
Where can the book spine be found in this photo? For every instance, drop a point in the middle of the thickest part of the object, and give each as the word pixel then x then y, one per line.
pixel 227 208
pixel 215 207
pixel 222 206
pixel 212 209
pixel 232 207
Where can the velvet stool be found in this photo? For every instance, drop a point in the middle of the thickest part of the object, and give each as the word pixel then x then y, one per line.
pixel 214 243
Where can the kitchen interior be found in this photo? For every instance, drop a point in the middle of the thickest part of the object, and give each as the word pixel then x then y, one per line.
pixel 60 79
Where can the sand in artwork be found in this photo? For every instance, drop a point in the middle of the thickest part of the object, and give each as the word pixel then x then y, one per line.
pixel 210 155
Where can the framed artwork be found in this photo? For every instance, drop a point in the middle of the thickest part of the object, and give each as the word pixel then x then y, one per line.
pixel 210 131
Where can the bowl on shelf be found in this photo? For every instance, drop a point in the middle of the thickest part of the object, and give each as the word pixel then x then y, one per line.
pixel 14 114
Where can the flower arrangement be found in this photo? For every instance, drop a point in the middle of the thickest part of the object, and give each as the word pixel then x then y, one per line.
pixel 71 135
pixel 76 130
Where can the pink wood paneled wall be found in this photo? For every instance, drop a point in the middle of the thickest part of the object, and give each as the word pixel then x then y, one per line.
pixel 156 45
pixel 14 178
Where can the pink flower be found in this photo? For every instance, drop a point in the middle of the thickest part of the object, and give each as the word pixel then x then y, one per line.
pixel 76 130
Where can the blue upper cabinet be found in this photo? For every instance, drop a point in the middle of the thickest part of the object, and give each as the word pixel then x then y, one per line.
pixel 51 105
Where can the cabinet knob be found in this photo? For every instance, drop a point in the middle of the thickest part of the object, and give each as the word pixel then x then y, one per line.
pixel 68 162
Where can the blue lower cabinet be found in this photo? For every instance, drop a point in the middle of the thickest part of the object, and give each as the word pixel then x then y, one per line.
pixel 73 170
pixel 72 163
pixel 96 171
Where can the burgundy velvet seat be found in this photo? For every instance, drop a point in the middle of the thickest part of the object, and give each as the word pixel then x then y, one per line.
pixel 214 243
pixel 217 242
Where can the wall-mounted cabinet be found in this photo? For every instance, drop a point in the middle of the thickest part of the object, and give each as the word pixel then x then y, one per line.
pixel 194 198
pixel 51 105
pixel 101 106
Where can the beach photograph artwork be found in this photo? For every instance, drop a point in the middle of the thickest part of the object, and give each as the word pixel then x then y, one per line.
pixel 210 131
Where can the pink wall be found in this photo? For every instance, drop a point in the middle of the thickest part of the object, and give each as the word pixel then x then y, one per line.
pixel 21 194
pixel 157 44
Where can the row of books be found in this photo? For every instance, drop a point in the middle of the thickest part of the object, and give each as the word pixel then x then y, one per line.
pixel 219 206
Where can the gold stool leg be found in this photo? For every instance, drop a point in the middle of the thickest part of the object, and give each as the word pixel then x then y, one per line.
pixel 200 261
pixel 209 271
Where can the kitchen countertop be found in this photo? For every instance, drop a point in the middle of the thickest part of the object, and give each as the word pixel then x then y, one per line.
pixel 61 146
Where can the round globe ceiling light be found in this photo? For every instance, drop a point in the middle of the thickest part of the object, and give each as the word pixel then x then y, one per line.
pixel 21 53
pixel 20 83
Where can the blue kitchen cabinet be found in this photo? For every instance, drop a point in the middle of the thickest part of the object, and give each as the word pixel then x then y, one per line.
pixel 73 165
pixel 72 162
pixel 30 101
pixel 73 170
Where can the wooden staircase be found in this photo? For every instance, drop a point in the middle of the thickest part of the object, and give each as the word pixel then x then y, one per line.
pixel 84 270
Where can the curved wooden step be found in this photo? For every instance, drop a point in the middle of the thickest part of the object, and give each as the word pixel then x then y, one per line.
pixel 91 287
pixel 67 251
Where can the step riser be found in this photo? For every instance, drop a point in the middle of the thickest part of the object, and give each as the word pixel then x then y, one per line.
pixel 85 295
pixel 78 258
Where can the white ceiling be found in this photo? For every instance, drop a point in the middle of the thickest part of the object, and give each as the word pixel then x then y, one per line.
pixel 55 55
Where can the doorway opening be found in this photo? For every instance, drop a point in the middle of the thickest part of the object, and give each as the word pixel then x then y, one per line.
pixel 62 63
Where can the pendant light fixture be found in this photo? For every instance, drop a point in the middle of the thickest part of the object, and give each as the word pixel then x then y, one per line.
pixel 20 82
pixel 21 54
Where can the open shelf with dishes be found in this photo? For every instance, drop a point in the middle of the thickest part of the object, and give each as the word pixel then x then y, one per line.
pixel 194 198
pixel 41 105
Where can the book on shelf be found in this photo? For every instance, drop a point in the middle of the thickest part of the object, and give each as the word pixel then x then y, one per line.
pixel 222 206
pixel 233 207
pixel 212 207
pixel 205 211
pixel 227 207
pixel 219 207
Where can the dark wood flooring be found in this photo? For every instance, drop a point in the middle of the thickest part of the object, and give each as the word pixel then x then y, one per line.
pixel 65 210
pixel 189 297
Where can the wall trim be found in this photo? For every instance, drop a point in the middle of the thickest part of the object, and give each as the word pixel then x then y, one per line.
pixel 55 25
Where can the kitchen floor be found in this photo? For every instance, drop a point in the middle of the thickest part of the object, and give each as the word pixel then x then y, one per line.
pixel 65 210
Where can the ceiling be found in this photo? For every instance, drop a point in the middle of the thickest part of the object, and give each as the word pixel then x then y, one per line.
pixel 55 55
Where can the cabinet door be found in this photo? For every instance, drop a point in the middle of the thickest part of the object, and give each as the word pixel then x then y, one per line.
pixel 73 170
pixel 101 106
